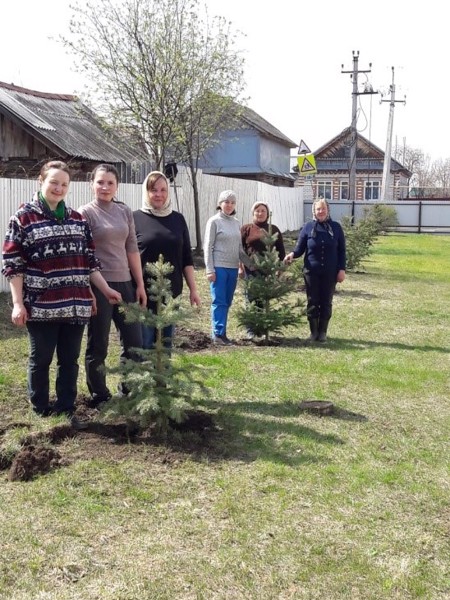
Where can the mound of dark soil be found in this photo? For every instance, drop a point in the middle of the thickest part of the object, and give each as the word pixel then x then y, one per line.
pixel 192 339
pixel 5 461
pixel 54 435
pixel 195 422
pixel 31 461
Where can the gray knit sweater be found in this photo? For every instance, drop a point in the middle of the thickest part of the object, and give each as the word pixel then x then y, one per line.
pixel 112 227
pixel 223 245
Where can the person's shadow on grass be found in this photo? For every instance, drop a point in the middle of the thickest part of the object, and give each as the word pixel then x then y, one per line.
pixel 254 429
pixel 336 343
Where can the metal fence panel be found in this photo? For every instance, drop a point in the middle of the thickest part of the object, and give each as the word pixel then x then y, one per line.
pixel 427 216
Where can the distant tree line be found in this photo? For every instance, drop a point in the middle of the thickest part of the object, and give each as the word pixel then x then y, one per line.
pixel 430 179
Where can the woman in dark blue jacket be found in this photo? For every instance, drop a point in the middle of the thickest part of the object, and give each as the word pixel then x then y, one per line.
pixel 322 242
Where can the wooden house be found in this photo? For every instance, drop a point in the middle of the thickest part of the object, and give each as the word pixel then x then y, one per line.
pixel 36 127
pixel 333 169
pixel 254 149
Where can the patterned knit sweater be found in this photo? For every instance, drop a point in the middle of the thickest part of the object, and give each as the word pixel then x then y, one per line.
pixel 55 258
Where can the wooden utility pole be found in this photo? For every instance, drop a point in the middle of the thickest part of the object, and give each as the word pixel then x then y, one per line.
pixel 353 131
pixel 387 154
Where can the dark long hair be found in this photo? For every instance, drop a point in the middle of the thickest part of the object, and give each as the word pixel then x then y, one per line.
pixel 107 168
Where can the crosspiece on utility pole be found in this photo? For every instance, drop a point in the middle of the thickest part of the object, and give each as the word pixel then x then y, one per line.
pixel 387 154
pixel 353 133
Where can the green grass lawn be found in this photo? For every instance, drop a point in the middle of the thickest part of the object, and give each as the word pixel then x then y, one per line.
pixel 280 504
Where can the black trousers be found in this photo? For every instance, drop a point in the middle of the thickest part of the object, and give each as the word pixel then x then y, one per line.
pixel 319 293
pixel 130 336
pixel 46 337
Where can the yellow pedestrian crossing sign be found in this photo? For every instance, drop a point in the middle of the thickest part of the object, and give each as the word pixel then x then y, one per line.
pixel 306 164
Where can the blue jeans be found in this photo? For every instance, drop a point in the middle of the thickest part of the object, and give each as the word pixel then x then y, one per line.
pixel 149 337
pixel 45 337
pixel 222 292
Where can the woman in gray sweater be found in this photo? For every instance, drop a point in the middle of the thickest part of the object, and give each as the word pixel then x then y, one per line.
pixel 116 246
pixel 223 251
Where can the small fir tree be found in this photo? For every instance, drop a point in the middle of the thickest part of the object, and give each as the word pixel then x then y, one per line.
pixel 159 389
pixel 359 239
pixel 269 290
pixel 383 217
pixel 361 236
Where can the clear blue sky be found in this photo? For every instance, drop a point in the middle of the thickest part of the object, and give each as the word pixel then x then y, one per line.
pixel 294 51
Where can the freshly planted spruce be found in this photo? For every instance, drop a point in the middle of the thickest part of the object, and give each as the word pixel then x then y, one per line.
pixel 160 389
pixel 270 307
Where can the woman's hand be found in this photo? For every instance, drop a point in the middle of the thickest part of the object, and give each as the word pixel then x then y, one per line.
pixel 141 296
pixel 19 315
pixel 195 299
pixel 288 258
pixel 211 277
pixel 113 296
pixel 340 276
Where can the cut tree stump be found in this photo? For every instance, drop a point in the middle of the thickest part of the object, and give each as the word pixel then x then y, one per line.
pixel 317 407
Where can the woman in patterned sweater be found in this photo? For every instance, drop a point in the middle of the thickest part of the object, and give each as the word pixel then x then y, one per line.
pixel 49 260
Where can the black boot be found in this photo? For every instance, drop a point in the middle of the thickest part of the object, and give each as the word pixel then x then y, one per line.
pixel 323 327
pixel 314 328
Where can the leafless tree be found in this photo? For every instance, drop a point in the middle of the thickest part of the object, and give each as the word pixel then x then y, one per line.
pixel 441 176
pixel 161 71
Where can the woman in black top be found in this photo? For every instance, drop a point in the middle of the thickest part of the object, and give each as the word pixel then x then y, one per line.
pixel 161 230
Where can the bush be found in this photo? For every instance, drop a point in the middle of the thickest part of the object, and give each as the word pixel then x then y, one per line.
pixel 383 217
pixel 359 238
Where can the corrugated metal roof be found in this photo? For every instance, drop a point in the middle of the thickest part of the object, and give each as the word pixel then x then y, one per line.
pixel 252 117
pixel 65 122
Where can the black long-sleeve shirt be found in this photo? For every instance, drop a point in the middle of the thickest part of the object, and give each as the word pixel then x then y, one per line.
pixel 168 236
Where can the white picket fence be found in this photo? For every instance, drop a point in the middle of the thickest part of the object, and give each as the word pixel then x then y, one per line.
pixel 286 203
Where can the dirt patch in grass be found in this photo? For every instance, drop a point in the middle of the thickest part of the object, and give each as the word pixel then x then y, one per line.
pixel 192 339
pixel 31 461
pixel 37 453
pixel 110 441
